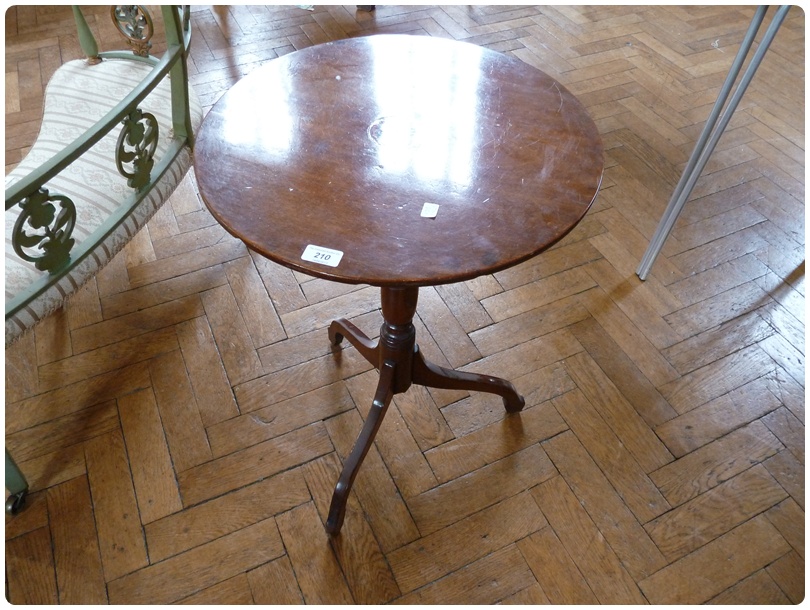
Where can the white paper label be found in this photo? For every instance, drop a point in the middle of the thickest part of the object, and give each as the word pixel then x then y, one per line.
pixel 322 256
pixel 429 210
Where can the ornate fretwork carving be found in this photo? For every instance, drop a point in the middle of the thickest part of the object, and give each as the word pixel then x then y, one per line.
pixel 42 235
pixel 135 23
pixel 137 142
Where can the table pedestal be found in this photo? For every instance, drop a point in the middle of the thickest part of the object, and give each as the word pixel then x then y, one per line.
pixel 400 363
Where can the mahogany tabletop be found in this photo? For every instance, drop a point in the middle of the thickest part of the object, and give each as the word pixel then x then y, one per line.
pixel 339 147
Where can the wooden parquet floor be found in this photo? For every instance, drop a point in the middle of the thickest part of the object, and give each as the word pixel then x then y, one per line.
pixel 183 419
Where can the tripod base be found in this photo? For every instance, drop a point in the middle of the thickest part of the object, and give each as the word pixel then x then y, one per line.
pixel 400 363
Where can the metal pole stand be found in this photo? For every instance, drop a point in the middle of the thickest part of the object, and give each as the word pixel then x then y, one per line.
pixel 712 131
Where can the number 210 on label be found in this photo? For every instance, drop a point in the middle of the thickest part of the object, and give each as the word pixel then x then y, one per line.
pixel 322 256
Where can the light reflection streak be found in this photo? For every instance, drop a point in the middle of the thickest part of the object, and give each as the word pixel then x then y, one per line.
pixel 427 108
pixel 271 131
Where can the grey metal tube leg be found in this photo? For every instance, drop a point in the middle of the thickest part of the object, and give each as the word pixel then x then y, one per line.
pixel 712 131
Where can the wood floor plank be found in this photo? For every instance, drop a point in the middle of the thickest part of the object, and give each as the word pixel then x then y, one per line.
pixel 758 588
pixel 280 284
pixel 320 315
pixel 715 343
pixel 299 379
pixel 187 241
pixel 719 251
pixel 628 337
pixel 707 467
pixel 718 378
pixel 785 355
pixel 231 334
pixel 53 338
pixel 75 397
pixel 787 428
pixel 76 556
pixel 122 327
pixel 554 569
pixel 215 402
pixel 34 517
pixel 274 583
pixel 452 501
pixel 21 377
pixel 479 410
pixel 311 345
pixel 617 412
pixel 536 322
pixel 237 469
pixel 120 537
pixel 636 489
pixel 705 573
pixel 426 422
pixel 464 306
pixel 623 372
pixel 485 581
pixel 151 466
pixel 567 255
pixel 185 432
pixel 132 299
pixel 85 306
pixel 718 309
pixel 316 568
pixel 788 573
pixel 636 301
pixel 251 428
pixel 54 468
pixel 717 417
pixel 528 357
pixel 494 442
pixel 785 517
pixel 753 490
pixel 597 562
pixel 175 266
pixel 30 574
pixel 445 551
pixel 241 508
pixel 783 291
pixel 449 334
pixel 786 469
pixel 106 359
pixel 63 432
pixel 235 590
pixel 180 576
pixel 523 298
pixel 616 523
pixel 716 227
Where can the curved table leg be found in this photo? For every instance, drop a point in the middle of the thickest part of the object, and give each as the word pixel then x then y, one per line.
pixel 428 374
pixel 382 398
pixel 400 363
pixel 342 328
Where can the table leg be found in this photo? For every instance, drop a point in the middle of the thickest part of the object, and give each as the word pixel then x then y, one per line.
pixel 428 374
pixel 382 398
pixel 341 328
pixel 400 363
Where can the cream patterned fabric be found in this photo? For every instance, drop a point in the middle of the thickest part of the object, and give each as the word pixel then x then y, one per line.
pixel 76 97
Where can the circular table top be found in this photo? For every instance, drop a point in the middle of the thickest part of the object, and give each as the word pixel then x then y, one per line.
pixel 340 145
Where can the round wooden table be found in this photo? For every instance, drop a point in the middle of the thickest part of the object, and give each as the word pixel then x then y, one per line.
pixel 324 160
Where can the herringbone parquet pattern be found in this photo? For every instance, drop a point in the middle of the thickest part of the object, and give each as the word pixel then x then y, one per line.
pixel 183 419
